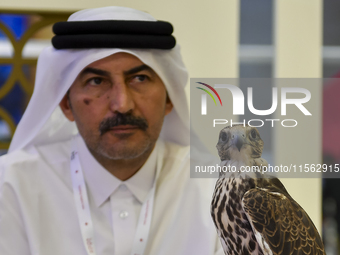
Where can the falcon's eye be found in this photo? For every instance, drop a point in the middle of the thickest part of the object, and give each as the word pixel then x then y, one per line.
pixel 224 137
pixel 253 134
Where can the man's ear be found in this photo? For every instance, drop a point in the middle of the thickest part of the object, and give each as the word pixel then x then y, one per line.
pixel 168 104
pixel 65 106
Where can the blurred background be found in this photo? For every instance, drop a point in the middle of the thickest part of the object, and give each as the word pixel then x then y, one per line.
pixel 232 39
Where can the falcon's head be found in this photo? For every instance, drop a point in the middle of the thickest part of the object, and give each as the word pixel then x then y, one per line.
pixel 239 143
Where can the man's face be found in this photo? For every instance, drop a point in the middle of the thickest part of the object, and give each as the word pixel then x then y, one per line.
pixel 118 104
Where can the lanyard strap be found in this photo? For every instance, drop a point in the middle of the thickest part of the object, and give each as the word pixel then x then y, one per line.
pixel 83 208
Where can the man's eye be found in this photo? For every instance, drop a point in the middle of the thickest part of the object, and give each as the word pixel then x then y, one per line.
pixel 140 78
pixel 95 81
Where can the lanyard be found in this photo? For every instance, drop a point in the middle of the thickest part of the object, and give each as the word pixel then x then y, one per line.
pixel 83 209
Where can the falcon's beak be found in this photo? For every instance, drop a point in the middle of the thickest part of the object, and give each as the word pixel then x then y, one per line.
pixel 238 141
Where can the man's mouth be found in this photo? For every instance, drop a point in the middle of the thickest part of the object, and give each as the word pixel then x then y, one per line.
pixel 122 128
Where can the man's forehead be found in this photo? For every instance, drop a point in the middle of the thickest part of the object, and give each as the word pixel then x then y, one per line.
pixel 122 62
pixel 119 57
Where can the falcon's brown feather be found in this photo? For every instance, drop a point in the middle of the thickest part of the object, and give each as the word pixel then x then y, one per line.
pixel 282 222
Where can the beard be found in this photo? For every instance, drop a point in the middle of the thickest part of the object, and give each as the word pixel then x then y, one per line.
pixel 124 149
pixel 127 145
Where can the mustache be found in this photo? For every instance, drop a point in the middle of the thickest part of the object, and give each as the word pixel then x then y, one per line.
pixel 122 119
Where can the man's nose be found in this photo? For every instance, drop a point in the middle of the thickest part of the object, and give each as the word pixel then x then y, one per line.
pixel 121 98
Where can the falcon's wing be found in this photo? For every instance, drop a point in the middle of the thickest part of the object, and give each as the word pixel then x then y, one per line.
pixel 260 162
pixel 280 224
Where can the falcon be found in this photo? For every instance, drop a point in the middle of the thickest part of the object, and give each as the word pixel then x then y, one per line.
pixel 253 212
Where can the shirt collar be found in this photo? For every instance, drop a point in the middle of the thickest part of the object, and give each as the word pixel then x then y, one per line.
pixel 101 183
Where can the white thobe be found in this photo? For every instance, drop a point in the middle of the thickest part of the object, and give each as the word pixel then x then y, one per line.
pixel 38 214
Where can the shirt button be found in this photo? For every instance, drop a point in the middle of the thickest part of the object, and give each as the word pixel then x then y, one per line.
pixel 123 187
pixel 123 214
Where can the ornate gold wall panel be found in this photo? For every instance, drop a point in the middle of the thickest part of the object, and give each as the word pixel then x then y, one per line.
pixel 39 27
